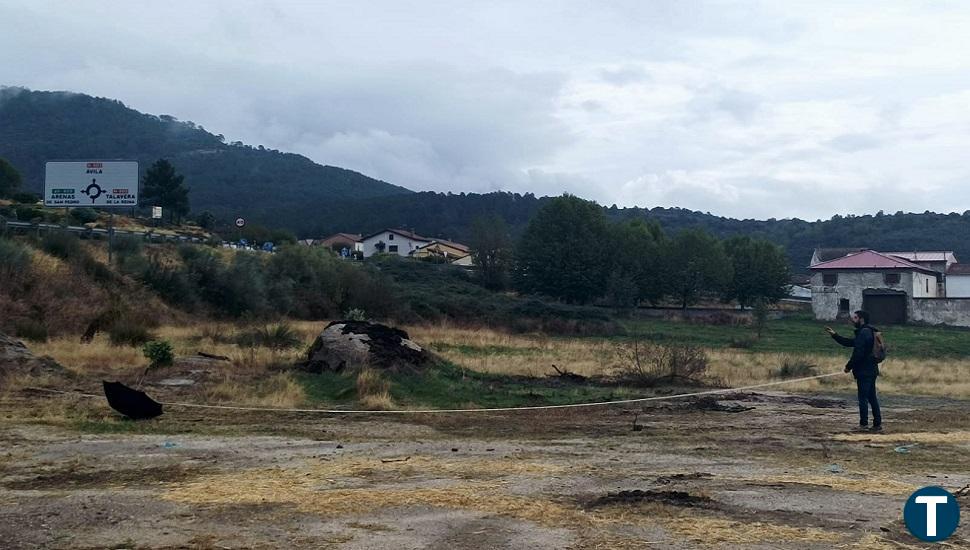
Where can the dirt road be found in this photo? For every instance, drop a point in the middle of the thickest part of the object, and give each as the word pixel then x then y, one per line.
pixel 750 470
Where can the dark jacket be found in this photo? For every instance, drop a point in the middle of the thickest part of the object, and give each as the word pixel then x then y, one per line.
pixel 862 363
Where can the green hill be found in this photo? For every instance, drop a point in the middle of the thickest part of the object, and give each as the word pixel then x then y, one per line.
pixel 290 191
pixel 227 179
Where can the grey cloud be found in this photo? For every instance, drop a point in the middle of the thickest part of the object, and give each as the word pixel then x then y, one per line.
pixel 742 108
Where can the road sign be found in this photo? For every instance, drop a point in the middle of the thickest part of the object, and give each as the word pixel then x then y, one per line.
pixel 240 222
pixel 156 212
pixel 91 183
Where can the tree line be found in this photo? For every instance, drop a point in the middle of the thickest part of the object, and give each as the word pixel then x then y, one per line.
pixel 571 251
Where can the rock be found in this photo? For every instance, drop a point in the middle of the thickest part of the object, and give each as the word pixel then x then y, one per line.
pixel 359 344
pixel 16 359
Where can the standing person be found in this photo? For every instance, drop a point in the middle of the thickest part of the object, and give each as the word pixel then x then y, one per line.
pixel 864 368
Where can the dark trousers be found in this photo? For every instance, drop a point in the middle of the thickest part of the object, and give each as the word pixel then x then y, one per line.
pixel 867 396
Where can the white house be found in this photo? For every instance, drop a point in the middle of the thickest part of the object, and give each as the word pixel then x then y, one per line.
pixel 958 281
pixel 392 241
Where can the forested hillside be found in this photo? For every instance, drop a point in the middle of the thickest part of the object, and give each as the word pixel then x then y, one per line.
pixel 290 191
pixel 227 179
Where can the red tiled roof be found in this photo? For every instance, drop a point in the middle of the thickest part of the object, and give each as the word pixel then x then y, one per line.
pixel 870 259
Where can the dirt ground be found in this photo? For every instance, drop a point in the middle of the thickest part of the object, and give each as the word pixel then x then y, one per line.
pixel 749 470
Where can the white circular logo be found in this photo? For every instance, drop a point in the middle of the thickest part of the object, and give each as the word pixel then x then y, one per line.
pixel 240 222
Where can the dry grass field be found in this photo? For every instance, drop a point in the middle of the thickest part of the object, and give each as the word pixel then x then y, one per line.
pixel 750 470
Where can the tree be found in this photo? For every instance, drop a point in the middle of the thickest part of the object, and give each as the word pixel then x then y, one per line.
pixel 695 263
pixel 760 271
pixel 206 220
pixel 637 245
pixel 161 186
pixel 10 179
pixel 564 251
pixel 491 249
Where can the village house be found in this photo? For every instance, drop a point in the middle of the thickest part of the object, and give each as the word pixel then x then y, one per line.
pixel 958 281
pixel 890 286
pixel 410 244
pixel 392 241
pixel 451 252
pixel 339 241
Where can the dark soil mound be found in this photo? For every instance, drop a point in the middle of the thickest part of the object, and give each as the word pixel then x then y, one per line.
pixel 637 496
pixel 358 344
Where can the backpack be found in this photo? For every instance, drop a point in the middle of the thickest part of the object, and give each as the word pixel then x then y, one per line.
pixel 878 347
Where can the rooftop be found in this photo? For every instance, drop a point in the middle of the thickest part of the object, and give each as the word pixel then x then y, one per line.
pixel 869 259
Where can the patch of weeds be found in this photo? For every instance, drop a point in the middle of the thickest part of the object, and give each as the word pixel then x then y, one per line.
pixel 796 367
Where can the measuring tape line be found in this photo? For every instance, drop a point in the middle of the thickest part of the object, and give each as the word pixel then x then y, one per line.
pixel 460 411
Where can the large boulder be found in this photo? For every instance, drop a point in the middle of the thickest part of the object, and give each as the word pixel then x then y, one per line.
pixel 16 359
pixel 358 344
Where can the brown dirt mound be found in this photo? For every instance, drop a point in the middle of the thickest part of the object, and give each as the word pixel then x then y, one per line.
pixel 358 344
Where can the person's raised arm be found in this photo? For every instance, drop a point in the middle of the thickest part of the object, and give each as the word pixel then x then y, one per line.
pixel 847 342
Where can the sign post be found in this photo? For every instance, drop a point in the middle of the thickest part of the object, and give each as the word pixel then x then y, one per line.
pixel 92 184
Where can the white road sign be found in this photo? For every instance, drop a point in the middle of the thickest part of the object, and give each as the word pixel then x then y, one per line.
pixel 156 212
pixel 240 222
pixel 91 183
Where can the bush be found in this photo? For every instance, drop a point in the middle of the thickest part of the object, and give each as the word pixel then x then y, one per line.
pixel 652 364
pixel 355 314
pixel 24 197
pixel 128 245
pixel 14 258
pixel 62 244
pixel 82 216
pixel 28 213
pixel 796 367
pixel 743 343
pixel 32 330
pixel 159 353
pixel 127 332
pixel 279 337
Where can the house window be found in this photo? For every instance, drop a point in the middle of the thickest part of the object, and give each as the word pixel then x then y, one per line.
pixel 843 306
pixel 390 236
pixel 830 279
pixel 927 286
pixel 891 278
pixel 392 248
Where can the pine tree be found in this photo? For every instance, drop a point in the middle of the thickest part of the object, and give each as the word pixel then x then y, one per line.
pixel 161 186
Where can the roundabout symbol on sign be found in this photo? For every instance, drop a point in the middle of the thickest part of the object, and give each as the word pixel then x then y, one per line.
pixel 93 190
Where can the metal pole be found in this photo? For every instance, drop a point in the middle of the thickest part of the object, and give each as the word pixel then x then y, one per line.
pixel 111 235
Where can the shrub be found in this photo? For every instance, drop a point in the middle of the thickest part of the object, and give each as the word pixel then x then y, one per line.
pixel 28 213
pixel 651 364
pixel 14 258
pixel 796 367
pixel 373 391
pixel 32 330
pixel 278 337
pixel 355 314
pixel 62 244
pixel 84 215
pixel 743 343
pixel 159 353
pixel 24 197
pixel 127 332
pixel 128 245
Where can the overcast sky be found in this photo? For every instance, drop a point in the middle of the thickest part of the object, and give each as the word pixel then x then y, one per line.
pixel 745 109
